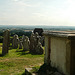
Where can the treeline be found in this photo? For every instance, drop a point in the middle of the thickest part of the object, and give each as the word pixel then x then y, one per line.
pixel 20 33
pixel 15 31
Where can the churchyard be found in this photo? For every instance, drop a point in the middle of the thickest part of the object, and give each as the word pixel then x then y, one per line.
pixel 20 53
pixel 24 53
pixel 15 62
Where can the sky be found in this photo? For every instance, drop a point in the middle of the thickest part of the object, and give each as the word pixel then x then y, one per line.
pixel 37 12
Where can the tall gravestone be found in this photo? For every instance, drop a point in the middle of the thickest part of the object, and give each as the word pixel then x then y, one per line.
pixel 20 44
pixel 32 40
pixel 23 37
pixel 26 44
pixel 15 41
pixel 6 42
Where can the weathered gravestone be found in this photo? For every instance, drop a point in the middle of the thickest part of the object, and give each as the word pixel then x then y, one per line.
pixel 39 49
pixel 32 43
pixel 20 44
pixel 39 30
pixel 41 40
pixel 26 44
pixel 23 37
pixel 35 48
pixel 15 41
pixel 6 42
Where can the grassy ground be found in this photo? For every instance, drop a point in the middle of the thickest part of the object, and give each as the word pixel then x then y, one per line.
pixel 15 62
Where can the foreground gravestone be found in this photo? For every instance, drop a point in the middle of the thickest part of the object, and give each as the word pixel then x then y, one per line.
pixel 35 45
pixel 41 40
pixel 6 42
pixel 39 49
pixel 15 41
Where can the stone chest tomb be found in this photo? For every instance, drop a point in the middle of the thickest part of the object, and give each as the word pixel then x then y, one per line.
pixel 60 50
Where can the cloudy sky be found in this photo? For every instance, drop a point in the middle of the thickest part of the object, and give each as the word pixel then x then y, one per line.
pixel 37 12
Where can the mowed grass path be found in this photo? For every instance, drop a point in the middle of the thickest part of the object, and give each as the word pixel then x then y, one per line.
pixel 15 62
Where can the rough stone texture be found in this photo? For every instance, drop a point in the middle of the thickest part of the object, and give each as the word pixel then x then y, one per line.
pixel 20 44
pixel 36 39
pixel 39 30
pixel 32 40
pixel 26 44
pixel 41 40
pixel 23 37
pixel 46 56
pixel 15 41
pixel 39 49
pixel 28 72
pixel 6 42
pixel 35 45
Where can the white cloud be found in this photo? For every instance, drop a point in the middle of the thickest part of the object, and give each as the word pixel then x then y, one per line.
pixel 15 0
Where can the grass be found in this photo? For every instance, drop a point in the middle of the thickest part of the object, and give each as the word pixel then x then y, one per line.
pixel 15 62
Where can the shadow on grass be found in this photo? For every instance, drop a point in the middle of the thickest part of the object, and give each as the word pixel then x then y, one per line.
pixel 22 52
pixel 1 55
pixel 23 73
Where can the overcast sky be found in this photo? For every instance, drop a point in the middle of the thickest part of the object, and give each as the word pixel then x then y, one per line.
pixel 37 12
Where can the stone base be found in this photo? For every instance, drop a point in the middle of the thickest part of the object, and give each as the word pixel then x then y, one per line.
pixel 28 71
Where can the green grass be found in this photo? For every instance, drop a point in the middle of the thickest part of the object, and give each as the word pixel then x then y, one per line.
pixel 15 62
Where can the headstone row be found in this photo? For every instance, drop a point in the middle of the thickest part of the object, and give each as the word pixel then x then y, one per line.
pixel 33 45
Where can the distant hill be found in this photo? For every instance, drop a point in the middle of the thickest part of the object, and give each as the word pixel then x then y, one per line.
pixel 30 27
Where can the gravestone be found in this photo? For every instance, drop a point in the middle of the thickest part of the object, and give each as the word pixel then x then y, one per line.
pixel 23 37
pixel 41 40
pixel 39 30
pixel 35 45
pixel 36 40
pixel 20 44
pixel 15 41
pixel 6 42
pixel 32 38
pixel 39 49
pixel 26 44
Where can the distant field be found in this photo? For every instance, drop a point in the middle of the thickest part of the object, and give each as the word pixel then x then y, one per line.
pixel 15 62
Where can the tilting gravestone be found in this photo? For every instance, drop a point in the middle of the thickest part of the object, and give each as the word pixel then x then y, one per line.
pixel 20 44
pixel 6 42
pixel 26 44
pixel 32 38
pixel 35 45
pixel 38 47
pixel 15 41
